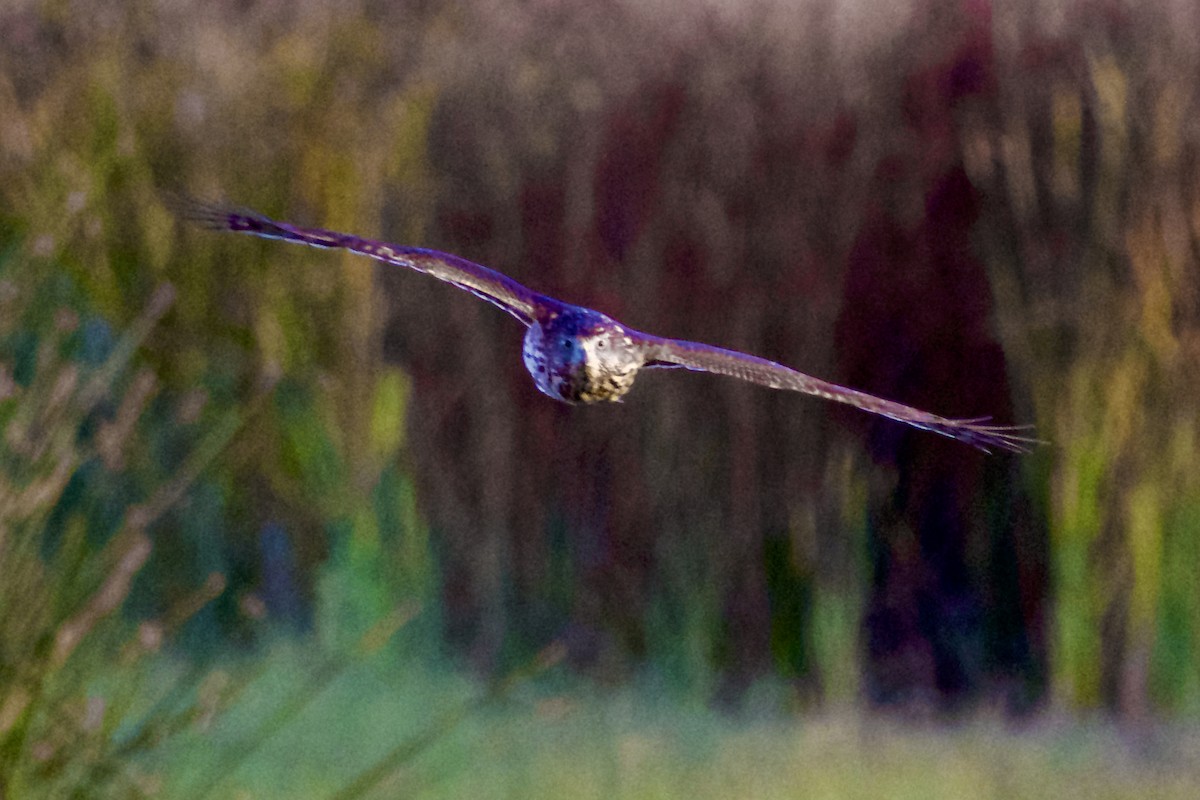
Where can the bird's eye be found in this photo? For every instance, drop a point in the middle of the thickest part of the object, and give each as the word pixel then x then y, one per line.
pixel 600 345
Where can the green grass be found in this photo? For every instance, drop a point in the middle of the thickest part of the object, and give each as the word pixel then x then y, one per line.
pixel 588 743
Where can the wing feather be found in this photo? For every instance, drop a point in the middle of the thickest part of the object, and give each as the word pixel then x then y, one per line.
pixel 527 305
pixel 706 358
pixel 486 284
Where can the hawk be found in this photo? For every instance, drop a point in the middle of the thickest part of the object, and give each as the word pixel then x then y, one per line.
pixel 579 355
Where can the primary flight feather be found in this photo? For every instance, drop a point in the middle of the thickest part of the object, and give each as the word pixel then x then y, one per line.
pixel 579 355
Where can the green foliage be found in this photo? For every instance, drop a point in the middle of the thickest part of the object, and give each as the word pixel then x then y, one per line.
pixel 353 119
pixel 1175 665
pixel 112 494
pixel 88 705
pixel 1127 451
pixel 79 496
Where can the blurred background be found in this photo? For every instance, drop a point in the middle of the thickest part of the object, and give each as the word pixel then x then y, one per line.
pixel 287 522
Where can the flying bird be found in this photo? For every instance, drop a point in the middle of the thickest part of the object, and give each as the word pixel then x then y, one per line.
pixel 579 355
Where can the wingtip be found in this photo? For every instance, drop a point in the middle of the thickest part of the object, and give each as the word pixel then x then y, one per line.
pixel 989 438
pixel 214 216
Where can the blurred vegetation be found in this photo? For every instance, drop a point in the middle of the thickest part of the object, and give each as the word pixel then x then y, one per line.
pixel 704 174
pixel 626 744
pixel 81 489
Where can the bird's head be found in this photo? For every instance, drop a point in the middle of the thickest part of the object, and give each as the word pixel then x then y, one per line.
pixel 581 356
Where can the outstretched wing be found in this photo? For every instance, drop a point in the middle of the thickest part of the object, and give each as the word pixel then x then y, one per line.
pixel 705 358
pixel 487 284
